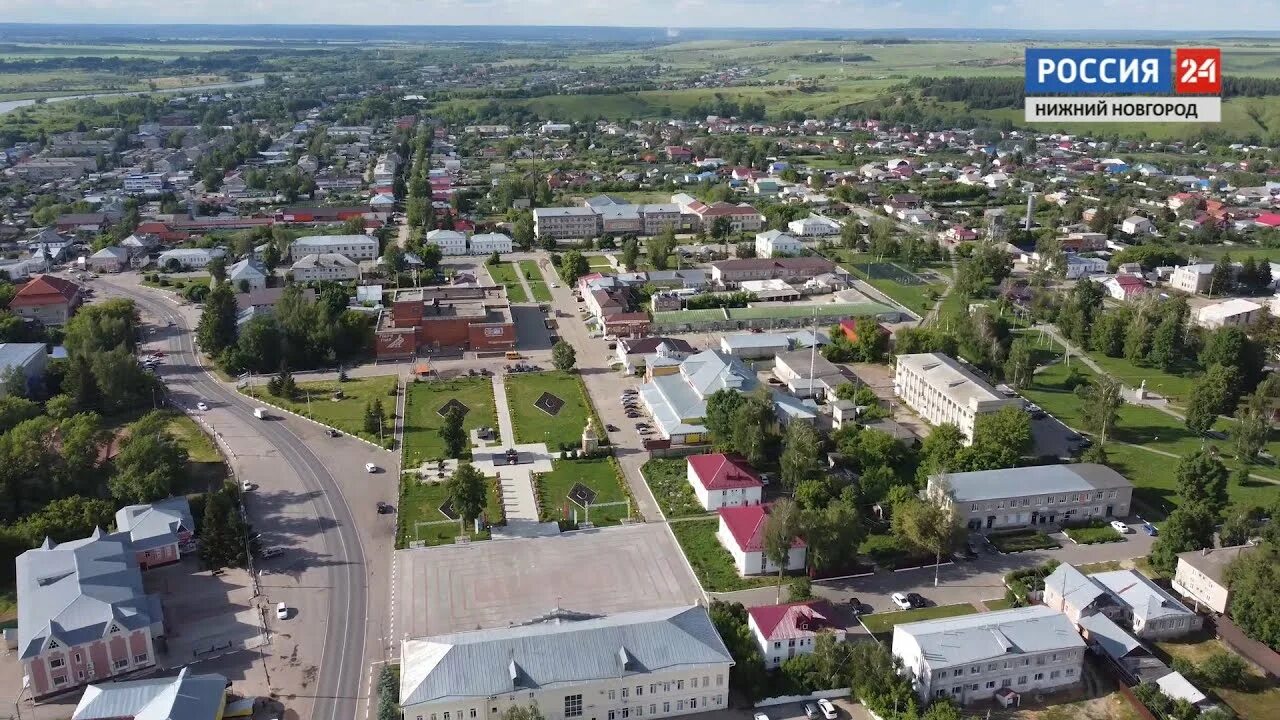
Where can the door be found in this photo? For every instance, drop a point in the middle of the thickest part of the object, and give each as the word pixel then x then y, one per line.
pixel 1110 508
pixel 1035 515
pixel 991 520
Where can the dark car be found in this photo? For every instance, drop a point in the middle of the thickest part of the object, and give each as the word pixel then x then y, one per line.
pixel 811 711
pixel 916 600
pixel 611 427
pixel 633 414
pixel 334 433
pixel 384 508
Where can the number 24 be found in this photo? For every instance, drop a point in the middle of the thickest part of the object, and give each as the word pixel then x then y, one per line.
pixel 1194 71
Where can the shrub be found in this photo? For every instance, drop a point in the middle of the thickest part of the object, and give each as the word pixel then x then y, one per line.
pixel 1223 670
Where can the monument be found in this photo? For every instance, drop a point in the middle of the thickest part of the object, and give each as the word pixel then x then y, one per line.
pixel 590 441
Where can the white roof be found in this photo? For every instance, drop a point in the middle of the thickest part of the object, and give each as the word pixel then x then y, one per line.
pixel 949 377
pixel 1228 308
pixel 972 638
pixel 1179 688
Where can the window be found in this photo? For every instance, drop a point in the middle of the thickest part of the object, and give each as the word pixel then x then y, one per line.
pixel 679 705
pixel 975 669
pixel 1071 671
pixel 611 715
pixel 117 664
pixel 959 672
pixel 991 666
pixel 611 694
pixel 626 713
pixel 433 716
pixel 666 687
pixel 1006 682
pixel 446 715
pixel 1039 676
pixel 1055 657
pixel 693 703
pixel 940 693
pixel 1022 679
pixel 140 658
pixel 653 688
pixel 666 707
pixel 719 680
pixel 473 712
pixel 706 681
pixel 639 690
pixel 639 711
pixel 653 708
pixel 57 663
pixel 973 506
pixel 991 684
pixel 59 679
pixel 1040 660
pixel 679 684
pixel 777 644
pixel 78 660
pixel 572 706
pixel 1054 674
pixel 718 699
pixel 942 674
pixel 791 642
pixel 625 693
pixel 973 686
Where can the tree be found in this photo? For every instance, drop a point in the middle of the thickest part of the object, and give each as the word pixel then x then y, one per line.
pixel 494 259
pixel 931 525
pixel 1231 347
pixel 1100 402
pixel 217 328
pixel 1021 363
pixel 1188 528
pixel 1000 439
pixel 374 416
pixel 1223 670
pixel 453 433
pixel 151 461
pixel 14 410
pixel 630 258
pixel 102 326
pixel 217 268
pixel 223 533
pixel 722 407
pixel 751 427
pixel 283 385
pixel 1220 278
pixel 1251 432
pixel 939 450
pixel 780 528
pixel 721 228
pixel 1214 394
pixel 389 697
pixel 467 492
pixel 563 356
pixel 1254 579
pixel 573 265
pixel 1202 480
pixel 1236 530
pixel 833 533
pixel 801 448
pixel 522 712
pixel 659 248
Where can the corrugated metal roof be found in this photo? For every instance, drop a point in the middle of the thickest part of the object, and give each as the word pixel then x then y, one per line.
pixel 971 638
pixel 559 653
pixel 185 697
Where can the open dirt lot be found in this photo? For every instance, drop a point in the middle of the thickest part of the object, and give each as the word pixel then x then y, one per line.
pixel 492 584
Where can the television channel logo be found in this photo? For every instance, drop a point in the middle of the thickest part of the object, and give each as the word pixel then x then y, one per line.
pixel 1123 84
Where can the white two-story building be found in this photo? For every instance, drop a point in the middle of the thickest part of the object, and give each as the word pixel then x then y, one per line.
pixel 723 480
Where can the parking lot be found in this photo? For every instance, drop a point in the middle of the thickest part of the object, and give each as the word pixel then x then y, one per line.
pixel 206 615
pixel 453 588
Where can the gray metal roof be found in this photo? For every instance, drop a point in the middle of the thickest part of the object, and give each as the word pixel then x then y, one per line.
pixel 322 241
pixel 557 653
pixel 15 354
pixel 73 591
pixel 185 697
pixel 1034 480
pixel 1114 640
pixel 1147 599
pixel 157 524
pixel 245 269
pixel 983 636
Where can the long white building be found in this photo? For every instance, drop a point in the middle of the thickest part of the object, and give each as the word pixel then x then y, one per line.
pixel 352 247
pixel 487 243
pixel 651 663
pixel 451 242
pixel 1039 495
pixel 941 390
pixel 972 657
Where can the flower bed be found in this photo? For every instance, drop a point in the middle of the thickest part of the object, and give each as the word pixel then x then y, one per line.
pixel 1093 532
pixel 1021 541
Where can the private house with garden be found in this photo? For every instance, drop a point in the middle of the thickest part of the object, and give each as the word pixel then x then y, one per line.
pixel 1126 596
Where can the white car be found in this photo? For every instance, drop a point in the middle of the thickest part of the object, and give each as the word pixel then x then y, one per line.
pixel 555 285
pixel 370 468
pixel 282 611
pixel 1121 527
pixel 201 406
pixel 760 716
pixel 247 486
pixel 901 601
pixel 827 709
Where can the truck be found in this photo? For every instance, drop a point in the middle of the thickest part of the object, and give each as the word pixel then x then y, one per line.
pixel 260 413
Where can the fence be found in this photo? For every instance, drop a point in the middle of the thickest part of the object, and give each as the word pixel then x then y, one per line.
pixel 784 699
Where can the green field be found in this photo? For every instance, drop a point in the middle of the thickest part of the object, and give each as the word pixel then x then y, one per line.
pixel 346 414
pixel 600 475
pixel 537 283
pixel 420 503
pixel 888 278
pixel 504 274
pixel 423 421
pixel 534 425
pixel 710 561
pixel 598 262
pixel 668 480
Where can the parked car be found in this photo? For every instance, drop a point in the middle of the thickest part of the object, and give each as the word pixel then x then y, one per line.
pixel 1121 527
pixel 334 433
pixel 855 606
pixel 827 708
pixel 633 414
pixel 900 601
pixel 916 600
pixel 611 427
pixel 271 552
pixel 370 468
pixel 760 716
pixel 201 406
pixel 247 486
pixel 384 508
pixel 282 611
pixel 811 711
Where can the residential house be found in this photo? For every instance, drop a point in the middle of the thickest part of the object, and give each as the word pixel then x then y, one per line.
pixel 785 631
pixel 1037 495
pixel 1137 225
pixel 248 273
pixel 971 658
pixel 941 390
pixel 91 223
pixel 352 247
pixel 651 663
pixel 1236 312
pixel 1193 279
pixel 1124 287
pixel 1125 596
pixel 186 696
pixel 742 534
pixel 723 480
pixel 1201 576
pixel 775 243
pixel 108 259
pixel 160 531
pixel 83 615
pixel 184 259
pixel 450 242
pixel 48 299
pixel 324 266
pixel 651 352
pixel 30 359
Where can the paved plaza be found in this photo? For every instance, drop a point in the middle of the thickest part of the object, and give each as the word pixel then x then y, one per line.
pixel 452 588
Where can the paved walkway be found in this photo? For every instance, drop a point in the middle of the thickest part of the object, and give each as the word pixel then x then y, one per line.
pixel 516 481
pixel 506 431
pixel 524 282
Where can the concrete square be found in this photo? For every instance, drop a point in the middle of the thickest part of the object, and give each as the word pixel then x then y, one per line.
pixel 455 588
pixel 206 615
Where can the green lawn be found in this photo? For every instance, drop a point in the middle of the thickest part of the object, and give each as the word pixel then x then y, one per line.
pixel 420 502
pixel 505 274
pixel 534 425
pixel 668 479
pixel 1020 540
pixel 600 475
pixel 1097 531
pixel 598 262
pixel 423 420
pixel 997 604
pixel 881 624
pixel 710 561
pixel 537 283
pixel 346 414
pixel 8 604
pixel 200 447
pixel 1174 386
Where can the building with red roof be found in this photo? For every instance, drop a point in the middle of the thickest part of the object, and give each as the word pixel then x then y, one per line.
pixel 1124 287
pixel 784 631
pixel 742 534
pixel 1268 219
pixel 720 480
pixel 49 299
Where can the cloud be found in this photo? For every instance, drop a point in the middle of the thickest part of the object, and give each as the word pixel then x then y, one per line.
pixel 1112 15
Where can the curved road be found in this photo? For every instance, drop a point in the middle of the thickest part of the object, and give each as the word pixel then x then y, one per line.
pixel 337 688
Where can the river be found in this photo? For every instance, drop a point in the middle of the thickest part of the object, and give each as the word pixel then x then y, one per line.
pixel 11 105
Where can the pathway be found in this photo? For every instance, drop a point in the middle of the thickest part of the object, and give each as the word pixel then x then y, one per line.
pixel 516 481
pixel 506 431
pixel 951 285
pixel 524 282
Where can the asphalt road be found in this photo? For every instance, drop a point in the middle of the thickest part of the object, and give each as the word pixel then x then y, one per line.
pixel 340 667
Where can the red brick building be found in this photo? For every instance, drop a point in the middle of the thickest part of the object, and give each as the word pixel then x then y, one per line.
pixel 456 318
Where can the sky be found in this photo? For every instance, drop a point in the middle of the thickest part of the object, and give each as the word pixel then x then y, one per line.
pixel 836 14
